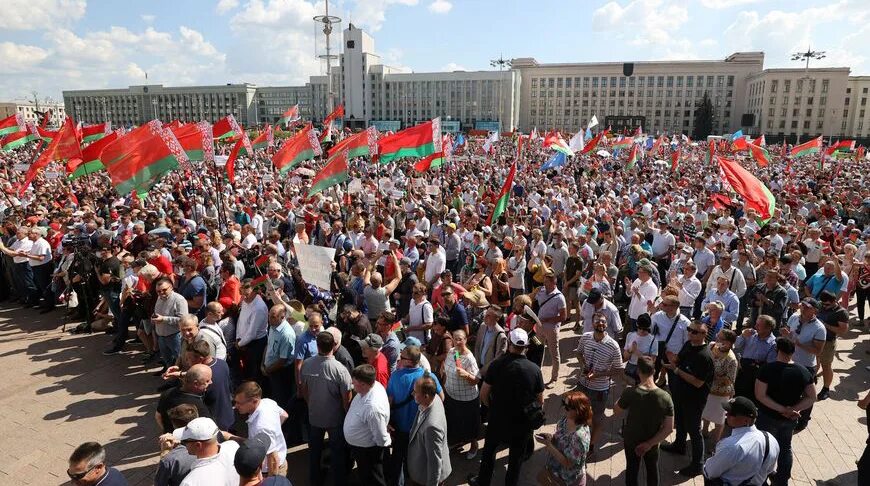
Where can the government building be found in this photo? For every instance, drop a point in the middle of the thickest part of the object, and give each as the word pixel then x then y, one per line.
pixel 660 96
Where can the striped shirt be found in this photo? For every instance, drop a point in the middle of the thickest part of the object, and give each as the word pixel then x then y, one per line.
pixel 602 357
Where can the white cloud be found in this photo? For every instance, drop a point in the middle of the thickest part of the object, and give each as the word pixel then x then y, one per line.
pixel 17 58
pixel 148 18
pixel 40 14
pixel 452 66
pixel 723 4
pixel 440 6
pixel 372 13
pixel 643 22
pixel 225 6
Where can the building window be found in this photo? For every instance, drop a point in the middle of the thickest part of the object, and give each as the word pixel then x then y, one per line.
pixel 794 124
pixel 787 86
pixel 809 112
pixel 823 100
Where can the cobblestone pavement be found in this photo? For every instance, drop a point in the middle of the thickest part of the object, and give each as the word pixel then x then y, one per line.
pixel 57 390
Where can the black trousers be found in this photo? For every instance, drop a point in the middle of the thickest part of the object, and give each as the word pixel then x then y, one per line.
pixel 518 442
pixel 369 464
pixel 687 418
pixel 252 357
pixel 632 465
pixel 42 280
pixel 396 463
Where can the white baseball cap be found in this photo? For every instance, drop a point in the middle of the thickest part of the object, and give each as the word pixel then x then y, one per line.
pixel 201 428
pixel 519 337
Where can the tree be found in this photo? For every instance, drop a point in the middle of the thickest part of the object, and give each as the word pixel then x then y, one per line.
pixel 703 118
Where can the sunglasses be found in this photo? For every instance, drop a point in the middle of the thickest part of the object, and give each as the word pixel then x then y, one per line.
pixel 81 475
pixel 695 331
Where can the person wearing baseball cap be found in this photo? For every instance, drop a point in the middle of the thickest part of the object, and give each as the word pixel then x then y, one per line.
pixel 214 462
pixel 513 390
pixel 748 455
pixel 808 334
pixel 248 462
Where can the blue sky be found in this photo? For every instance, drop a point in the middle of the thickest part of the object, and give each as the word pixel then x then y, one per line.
pixel 51 45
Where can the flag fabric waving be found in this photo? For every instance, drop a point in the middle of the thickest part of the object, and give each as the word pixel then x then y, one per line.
pixel 289 116
pixel 594 142
pixel 711 151
pixel 333 173
pixel 264 140
pixel 489 144
pixel 303 146
pixel 592 122
pixel 136 161
pixel 622 144
pixel 195 139
pixel 557 160
pixel 675 160
pixel 12 124
pixel 656 146
pixel 337 113
pixel 807 148
pixel 90 161
pixel 226 127
pixel 633 157
pixel 759 154
pixel 752 190
pixel 231 160
pixel 65 146
pixel 93 133
pixel 19 139
pixel 841 145
pixel 418 141
pixel 760 141
pixel 362 144
pixel 437 159
pixel 577 142
pixel 555 141
pixel 504 196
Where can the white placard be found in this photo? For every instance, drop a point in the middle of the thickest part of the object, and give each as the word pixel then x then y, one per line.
pixel 314 263
pixel 220 160
pixel 433 190
pixel 21 167
pixel 397 194
pixel 52 175
pixel 355 186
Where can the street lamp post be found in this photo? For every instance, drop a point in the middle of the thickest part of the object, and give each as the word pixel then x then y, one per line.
pixel 805 57
pixel 501 63
pixel 154 105
pixel 328 21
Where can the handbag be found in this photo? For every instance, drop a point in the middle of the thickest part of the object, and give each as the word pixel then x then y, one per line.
pixel 73 300
pixel 533 413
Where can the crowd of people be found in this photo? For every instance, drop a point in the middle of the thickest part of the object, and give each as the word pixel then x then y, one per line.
pixel 442 327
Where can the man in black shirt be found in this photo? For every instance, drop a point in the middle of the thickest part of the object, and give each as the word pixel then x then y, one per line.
pixel 194 383
pixel 110 273
pixel 535 350
pixel 511 384
pixel 693 375
pixel 836 321
pixel 783 390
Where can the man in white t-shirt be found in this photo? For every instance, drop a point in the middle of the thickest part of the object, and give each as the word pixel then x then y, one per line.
pixel 264 416
pixel 214 462
pixel 39 258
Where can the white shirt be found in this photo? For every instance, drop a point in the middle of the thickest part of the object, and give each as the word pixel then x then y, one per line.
pixel 740 456
pixel 249 241
pixel 646 345
pixel 267 418
pixel 662 323
pixel 647 291
pixel 435 264
pixel 690 289
pixel 253 322
pixel 40 247
pixel 365 424
pixel 419 314
pixel 736 282
pixel 662 243
pixel 21 245
pixel 217 470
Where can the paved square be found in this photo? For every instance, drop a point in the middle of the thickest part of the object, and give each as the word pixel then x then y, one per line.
pixel 57 390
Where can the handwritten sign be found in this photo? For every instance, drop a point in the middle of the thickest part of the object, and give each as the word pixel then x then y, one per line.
pixel 314 263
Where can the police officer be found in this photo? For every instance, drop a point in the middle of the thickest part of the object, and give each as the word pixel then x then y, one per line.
pixel 748 455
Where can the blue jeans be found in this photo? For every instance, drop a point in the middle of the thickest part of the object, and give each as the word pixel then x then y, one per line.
pixel 782 430
pixel 169 347
pixel 113 300
pixel 338 449
pixel 24 277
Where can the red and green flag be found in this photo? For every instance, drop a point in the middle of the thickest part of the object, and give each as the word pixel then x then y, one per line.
pixel 12 124
pixel 19 139
pixel 362 144
pixel 594 142
pixel 65 146
pixel 739 144
pixel 90 161
pixel 859 154
pixel 711 151
pixel 92 133
pixel 755 194
pixel 503 196
pixel 841 145
pixel 622 144
pixel 289 116
pixel 333 173
pixel 137 161
pixel 675 160
pixel 633 157
pixel 760 141
pixel 195 139
pixel 656 146
pixel 419 141
pixel 809 147
pixel 264 140
pixel 759 154
pixel 303 146
pixel 226 127
pixel 231 160
pixel 437 159
pixel 46 135
pixel 555 141
pixel 337 113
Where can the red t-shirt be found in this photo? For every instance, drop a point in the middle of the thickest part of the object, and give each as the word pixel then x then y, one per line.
pixel 163 264
pixel 229 293
pixel 382 369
